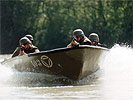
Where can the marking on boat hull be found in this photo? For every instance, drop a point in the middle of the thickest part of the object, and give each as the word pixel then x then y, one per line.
pixel 43 61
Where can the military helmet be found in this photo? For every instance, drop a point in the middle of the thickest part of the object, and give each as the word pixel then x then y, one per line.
pixel 30 37
pixel 78 32
pixel 24 41
pixel 94 37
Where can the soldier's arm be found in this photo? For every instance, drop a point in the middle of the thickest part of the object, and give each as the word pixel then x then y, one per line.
pixel 73 43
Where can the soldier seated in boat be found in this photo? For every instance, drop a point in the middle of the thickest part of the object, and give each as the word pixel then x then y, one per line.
pixel 24 48
pixel 30 37
pixel 79 38
pixel 95 40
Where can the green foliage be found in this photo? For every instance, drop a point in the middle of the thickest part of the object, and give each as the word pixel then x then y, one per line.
pixel 52 22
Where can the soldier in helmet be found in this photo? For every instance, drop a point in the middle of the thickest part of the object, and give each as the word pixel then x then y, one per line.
pixel 23 44
pixel 79 39
pixel 25 47
pixel 30 37
pixel 95 40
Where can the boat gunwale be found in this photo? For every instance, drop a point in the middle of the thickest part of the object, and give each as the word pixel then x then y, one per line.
pixel 69 48
pixel 55 50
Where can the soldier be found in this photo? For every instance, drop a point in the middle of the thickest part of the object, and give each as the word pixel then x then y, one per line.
pixel 25 47
pixel 79 38
pixel 30 37
pixel 23 44
pixel 95 40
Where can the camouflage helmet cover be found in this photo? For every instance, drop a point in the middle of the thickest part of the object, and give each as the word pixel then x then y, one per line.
pixel 78 32
pixel 30 37
pixel 24 41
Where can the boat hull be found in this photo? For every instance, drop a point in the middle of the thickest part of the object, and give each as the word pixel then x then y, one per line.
pixel 74 63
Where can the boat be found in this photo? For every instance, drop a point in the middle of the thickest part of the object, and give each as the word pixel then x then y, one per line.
pixel 74 63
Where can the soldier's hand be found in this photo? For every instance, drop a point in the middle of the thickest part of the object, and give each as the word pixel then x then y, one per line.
pixel 75 43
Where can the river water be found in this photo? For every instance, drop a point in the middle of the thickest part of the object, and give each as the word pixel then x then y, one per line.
pixel 114 81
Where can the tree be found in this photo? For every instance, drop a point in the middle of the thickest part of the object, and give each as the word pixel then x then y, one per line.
pixel 52 22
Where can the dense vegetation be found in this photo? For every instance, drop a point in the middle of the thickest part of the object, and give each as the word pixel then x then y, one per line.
pixel 52 22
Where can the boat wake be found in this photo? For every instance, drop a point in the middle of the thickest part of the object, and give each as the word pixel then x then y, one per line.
pixel 9 77
pixel 13 78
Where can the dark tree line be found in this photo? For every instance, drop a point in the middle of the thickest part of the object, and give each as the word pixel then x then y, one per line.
pixel 52 22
